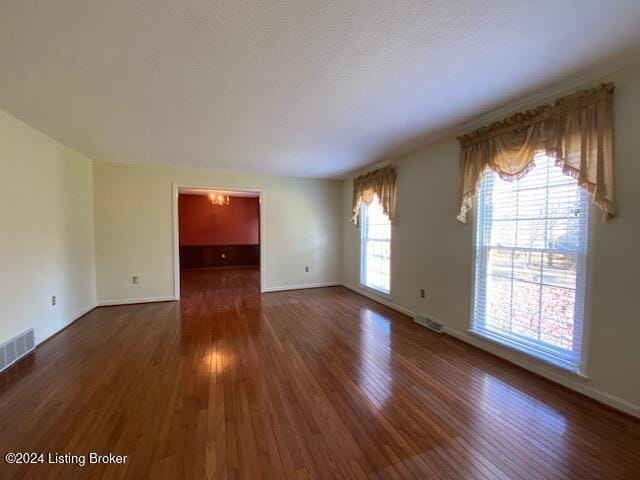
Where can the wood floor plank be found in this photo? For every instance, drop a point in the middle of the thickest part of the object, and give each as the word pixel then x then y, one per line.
pixel 229 383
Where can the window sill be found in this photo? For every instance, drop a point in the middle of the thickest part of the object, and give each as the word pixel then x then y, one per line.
pixel 496 339
pixel 375 291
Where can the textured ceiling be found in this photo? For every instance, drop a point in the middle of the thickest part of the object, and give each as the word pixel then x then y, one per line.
pixel 308 88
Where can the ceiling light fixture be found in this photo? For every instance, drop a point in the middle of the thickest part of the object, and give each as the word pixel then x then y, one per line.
pixel 219 199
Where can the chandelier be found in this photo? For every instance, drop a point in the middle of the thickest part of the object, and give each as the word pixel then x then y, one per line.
pixel 219 199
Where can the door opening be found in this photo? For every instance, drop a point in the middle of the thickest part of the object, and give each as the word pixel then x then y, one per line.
pixel 218 238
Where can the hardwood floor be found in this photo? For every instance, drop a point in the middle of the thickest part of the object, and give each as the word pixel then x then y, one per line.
pixel 317 383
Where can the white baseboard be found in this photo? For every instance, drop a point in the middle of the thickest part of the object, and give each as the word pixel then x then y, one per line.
pixel 532 365
pixel 131 301
pixel 577 385
pixel 84 311
pixel 300 287
pixel 81 313
pixel 379 299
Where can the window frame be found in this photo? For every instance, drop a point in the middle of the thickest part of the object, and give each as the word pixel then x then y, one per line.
pixel 581 370
pixel 362 224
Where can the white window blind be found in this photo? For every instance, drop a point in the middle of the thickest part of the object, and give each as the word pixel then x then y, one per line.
pixel 531 248
pixel 375 247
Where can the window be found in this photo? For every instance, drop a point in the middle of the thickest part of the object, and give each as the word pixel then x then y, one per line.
pixel 375 247
pixel 531 247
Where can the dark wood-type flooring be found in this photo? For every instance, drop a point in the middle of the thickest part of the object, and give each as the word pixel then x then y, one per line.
pixel 321 383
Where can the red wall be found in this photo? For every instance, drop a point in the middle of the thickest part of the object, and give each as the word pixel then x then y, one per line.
pixel 201 223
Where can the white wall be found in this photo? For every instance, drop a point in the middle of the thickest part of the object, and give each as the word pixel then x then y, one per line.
pixel 432 250
pixel 47 237
pixel 134 227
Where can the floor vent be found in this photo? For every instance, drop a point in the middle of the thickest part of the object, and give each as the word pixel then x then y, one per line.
pixel 13 350
pixel 430 324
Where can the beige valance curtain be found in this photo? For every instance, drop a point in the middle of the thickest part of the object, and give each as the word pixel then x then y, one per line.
pixel 576 130
pixel 380 183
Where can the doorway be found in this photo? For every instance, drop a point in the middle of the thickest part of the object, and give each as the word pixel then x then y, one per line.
pixel 218 238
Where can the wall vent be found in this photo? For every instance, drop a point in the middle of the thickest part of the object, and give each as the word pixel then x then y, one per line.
pixel 13 350
pixel 430 324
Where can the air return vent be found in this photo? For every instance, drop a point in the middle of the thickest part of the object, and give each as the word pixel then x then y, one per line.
pixel 16 348
pixel 430 324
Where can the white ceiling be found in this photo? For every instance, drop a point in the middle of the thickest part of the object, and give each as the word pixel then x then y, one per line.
pixel 308 88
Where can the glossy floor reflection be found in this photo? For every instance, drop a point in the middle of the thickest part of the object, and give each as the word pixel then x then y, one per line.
pixel 375 379
pixel 320 383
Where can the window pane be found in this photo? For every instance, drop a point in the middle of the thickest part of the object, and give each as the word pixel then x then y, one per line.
pixel 503 233
pixel 500 262
pixel 498 313
pixel 560 269
pixel 531 239
pixel 375 247
pixel 557 315
pixel 526 309
pixel 527 265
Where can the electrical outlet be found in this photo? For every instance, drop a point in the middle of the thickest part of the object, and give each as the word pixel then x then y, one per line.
pixel 422 293
pixel 306 269
pixel 134 280
pixel 53 300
